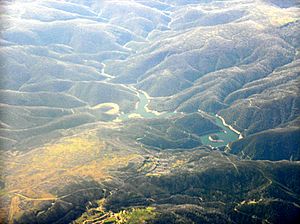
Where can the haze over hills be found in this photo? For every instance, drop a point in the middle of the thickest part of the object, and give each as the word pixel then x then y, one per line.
pixel 157 111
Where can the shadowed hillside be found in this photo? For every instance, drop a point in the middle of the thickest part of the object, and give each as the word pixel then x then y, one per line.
pixel 149 111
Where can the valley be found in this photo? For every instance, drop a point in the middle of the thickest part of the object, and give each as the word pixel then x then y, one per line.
pixel 149 111
pixel 227 134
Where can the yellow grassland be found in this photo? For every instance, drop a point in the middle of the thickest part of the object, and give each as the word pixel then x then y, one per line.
pixel 29 177
pixel 178 163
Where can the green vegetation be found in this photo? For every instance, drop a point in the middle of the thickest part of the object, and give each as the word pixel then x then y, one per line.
pixel 129 216
pixel 108 111
pixel 135 215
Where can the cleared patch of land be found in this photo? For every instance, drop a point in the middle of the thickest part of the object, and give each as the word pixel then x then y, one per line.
pixel 108 108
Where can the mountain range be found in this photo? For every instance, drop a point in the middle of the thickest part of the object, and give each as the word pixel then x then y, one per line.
pixel 157 111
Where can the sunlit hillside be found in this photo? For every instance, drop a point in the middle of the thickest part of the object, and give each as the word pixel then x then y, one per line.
pixel 149 111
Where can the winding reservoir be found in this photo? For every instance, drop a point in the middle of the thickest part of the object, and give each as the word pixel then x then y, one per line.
pixel 225 136
pixel 217 139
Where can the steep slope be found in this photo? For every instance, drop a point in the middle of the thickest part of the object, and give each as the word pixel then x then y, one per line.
pixel 275 144
pixel 105 176
pixel 149 111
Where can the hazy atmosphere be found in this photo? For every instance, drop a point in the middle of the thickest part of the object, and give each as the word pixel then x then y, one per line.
pixel 149 111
